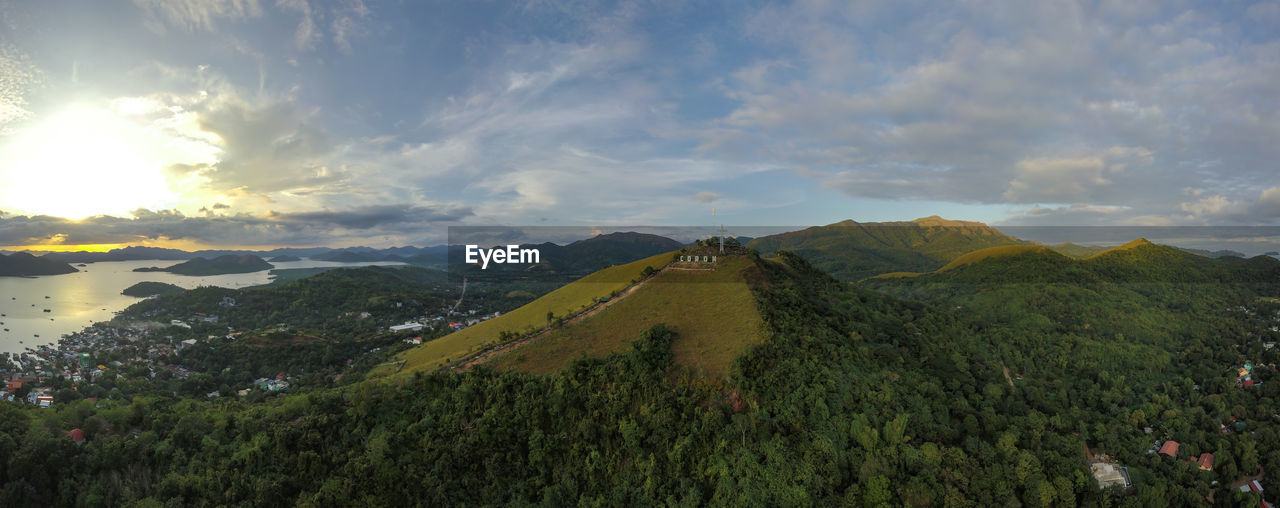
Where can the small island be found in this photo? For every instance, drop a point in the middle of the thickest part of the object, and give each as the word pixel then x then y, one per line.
pixel 284 258
pixel 21 264
pixel 220 265
pixel 150 288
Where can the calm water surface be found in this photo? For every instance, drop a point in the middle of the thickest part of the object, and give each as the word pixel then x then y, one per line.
pixel 76 300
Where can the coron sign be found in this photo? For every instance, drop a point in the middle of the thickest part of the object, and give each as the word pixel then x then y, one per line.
pixel 512 254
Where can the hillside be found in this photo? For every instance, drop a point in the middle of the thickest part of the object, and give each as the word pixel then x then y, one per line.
pixel 566 300
pixel 23 264
pixel 712 313
pixel 1138 261
pixel 1076 251
pixel 850 250
pixel 997 252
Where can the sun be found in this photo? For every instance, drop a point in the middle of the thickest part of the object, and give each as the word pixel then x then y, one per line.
pixel 81 162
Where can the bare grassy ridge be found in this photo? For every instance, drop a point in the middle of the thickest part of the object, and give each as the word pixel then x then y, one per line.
pixel 992 252
pixel 712 312
pixel 567 300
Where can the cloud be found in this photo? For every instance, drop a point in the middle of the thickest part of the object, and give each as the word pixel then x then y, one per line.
pixel 373 216
pixel 706 197
pixel 18 75
pixel 364 225
pixel 199 15
pixel 1042 102
pixel 306 35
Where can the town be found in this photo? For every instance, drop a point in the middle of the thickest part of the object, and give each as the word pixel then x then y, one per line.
pixel 152 351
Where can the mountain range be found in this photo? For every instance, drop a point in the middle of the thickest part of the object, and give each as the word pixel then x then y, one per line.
pixel 851 250
pixel 23 264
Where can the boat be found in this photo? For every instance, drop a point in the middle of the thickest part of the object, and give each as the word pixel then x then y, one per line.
pixel 46 297
pixel 47 310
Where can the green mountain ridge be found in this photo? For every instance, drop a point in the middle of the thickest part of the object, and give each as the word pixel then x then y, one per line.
pixel 851 250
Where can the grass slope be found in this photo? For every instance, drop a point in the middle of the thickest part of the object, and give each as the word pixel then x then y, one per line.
pixel 994 252
pixel 713 314
pixel 566 300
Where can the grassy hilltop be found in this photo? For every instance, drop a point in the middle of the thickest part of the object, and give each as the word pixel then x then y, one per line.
pixel 712 313
pixel 561 302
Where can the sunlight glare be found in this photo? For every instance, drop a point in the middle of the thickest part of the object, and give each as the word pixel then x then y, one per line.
pixel 81 162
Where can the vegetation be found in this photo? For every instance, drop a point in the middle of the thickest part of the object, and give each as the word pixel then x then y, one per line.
pixel 980 385
pixel 150 288
pixel 220 265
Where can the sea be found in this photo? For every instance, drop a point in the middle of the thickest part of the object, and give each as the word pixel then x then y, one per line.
pixel 77 300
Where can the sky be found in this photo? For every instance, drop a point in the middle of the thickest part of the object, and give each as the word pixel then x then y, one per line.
pixel 245 123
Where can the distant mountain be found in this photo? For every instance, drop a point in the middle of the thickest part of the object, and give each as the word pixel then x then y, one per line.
pixel 23 264
pixel 217 266
pixel 351 256
pixel 581 257
pixel 610 249
pixel 1214 253
pixel 1076 251
pixel 124 254
pixel 850 250
pixel 284 258
pixel 1139 261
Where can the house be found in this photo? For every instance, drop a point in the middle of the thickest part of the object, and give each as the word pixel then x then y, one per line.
pixel 415 340
pixel 77 435
pixel 1247 382
pixel 228 302
pixel 44 400
pixel 15 385
pixel 1109 475
pixel 1255 486
pixel 407 326
pixel 1205 462
pixel 1169 448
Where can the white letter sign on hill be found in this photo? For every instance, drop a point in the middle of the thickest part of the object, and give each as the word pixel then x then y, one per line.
pixel 512 254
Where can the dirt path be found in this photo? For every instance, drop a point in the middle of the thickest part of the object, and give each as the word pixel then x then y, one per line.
pixel 501 349
pixel 1006 373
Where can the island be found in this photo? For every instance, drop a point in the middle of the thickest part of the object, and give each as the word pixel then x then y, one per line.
pixel 284 258
pixel 151 288
pixel 21 264
pixel 220 265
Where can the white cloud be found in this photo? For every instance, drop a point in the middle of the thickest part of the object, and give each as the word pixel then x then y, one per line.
pixel 200 15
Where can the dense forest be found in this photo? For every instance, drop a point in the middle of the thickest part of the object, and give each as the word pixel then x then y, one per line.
pixel 956 389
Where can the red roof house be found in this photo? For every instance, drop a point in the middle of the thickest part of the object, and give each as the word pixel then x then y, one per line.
pixel 77 435
pixel 14 385
pixel 1169 448
pixel 1247 382
pixel 1205 462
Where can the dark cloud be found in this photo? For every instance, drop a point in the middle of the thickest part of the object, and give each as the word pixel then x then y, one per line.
pixel 409 223
pixel 374 216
